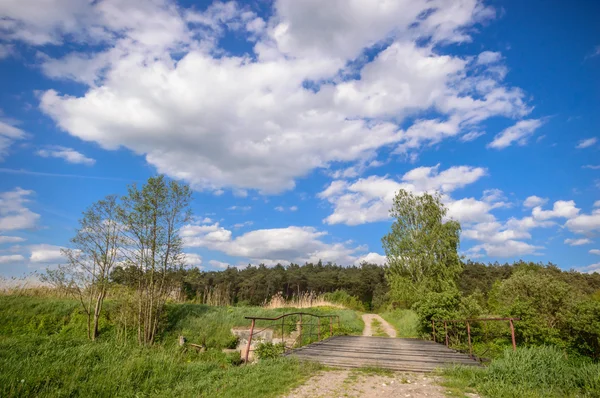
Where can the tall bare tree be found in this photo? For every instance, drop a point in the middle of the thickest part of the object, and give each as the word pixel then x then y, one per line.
pixel 93 253
pixel 152 217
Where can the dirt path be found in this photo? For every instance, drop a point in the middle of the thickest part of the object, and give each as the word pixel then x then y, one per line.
pixel 368 330
pixel 357 384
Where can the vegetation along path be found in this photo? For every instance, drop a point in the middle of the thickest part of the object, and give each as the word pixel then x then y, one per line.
pixel 377 326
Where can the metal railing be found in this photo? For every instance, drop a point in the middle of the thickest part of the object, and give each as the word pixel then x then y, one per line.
pixel 468 323
pixel 295 322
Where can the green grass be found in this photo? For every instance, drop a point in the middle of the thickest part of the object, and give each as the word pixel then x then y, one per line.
pixel 406 322
pixel 377 328
pixel 44 352
pixel 529 372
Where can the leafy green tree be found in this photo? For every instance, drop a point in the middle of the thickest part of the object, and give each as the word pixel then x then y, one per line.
pixel 421 248
pixel 94 252
pixel 152 217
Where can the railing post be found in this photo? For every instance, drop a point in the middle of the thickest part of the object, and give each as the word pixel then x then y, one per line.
pixel 433 328
pixel 318 329
pixel 300 332
pixel 330 327
pixel 469 334
pixel 282 340
pixel 249 340
pixel 512 333
pixel 446 330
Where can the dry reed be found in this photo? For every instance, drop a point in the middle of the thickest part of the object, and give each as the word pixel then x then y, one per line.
pixel 306 300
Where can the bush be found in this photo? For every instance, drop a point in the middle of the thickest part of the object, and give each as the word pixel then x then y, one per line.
pixel 343 298
pixel 532 372
pixel 269 350
pixel 581 328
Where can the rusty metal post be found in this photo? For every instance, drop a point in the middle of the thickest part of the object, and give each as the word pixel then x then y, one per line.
pixel 330 327
pixel 512 333
pixel 469 334
pixel 282 340
pixel 433 328
pixel 318 328
pixel 446 330
pixel 249 340
pixel 300 332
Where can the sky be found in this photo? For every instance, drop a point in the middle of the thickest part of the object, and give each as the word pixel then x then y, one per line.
pixel 295 122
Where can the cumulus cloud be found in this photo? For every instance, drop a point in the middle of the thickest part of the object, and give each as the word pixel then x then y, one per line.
pixel 586 143
pixel 11 258
pixel 578 242
pixel 162 87
pixel 10 239
pixel 67 154
pixel 518 133
pixel 192 260
pixel 590 269
pixel 372 258
pixel 218 264
pixel 595 251
pixel 534 201
pixel 45 253
pixel 271 246
pixel 561 209
pixel 369 199
pixel 13 213
pixel 585 223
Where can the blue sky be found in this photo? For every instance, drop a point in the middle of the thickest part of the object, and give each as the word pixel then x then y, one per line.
pixel 296 121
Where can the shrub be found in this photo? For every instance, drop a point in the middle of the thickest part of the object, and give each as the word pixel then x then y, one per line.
pixel 269 350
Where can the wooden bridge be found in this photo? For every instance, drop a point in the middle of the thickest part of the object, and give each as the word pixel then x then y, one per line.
pixel 409 355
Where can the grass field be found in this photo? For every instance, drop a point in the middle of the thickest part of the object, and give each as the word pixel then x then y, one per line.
pixel 44 352
pixel 406 322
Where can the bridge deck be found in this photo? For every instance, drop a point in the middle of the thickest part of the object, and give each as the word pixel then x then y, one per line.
pixel 390 353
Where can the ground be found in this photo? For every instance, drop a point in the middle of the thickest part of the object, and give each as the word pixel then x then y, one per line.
pixel 361 384
pixel 369 329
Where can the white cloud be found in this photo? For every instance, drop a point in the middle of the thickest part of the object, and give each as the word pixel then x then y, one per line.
pixel 597 203
pixel 44 253
pixel 13 213
pixel 586 143
pixel 508 248
pixel 372 258
pixel 595 251
pixel 67 154
pixel 291 208
pixel 590 269
pixel 369 199
pixel 243 224
pixel 488 57
pixel 280 208
pixel 591 166
pixel 577 242
pixel 10 239
pixel 164 89
pixel 8 135
pixel 534 201
pixel 585 223
pixel 218 264
pixel 271 246
pixel 471 136
pixel 518 133
pixel 11 258
pixel 6 50
pixel 192 260
pixel 562 208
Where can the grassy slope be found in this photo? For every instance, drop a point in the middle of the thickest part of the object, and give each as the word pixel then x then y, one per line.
pixel 43 352
pixel 406 322
pixel 529 372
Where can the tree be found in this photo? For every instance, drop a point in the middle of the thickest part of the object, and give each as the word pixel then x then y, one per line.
pixel 421 249
pixel 90 260
pixel 152 217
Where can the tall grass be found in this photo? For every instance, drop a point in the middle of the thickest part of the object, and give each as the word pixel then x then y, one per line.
pixel 306 300
pixel 44 352
pixel 530 372
pixel 406 322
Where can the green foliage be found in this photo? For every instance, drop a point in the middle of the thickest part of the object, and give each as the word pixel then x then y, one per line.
pixel 406 322
pixel 581 327
pixel 531 372
pixel 422 249
pixel 269 350
pixel 44 352
pixel 343 298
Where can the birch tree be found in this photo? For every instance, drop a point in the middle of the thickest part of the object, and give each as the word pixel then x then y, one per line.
pixel 152 217
pixel 93 254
